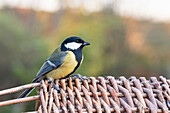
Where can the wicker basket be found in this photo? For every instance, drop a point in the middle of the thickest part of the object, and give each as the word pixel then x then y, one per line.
pixel 106 95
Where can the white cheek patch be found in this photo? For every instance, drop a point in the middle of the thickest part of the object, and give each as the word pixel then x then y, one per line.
pixel 72 45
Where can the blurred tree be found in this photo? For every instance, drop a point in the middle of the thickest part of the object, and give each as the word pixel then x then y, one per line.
pixel 22 53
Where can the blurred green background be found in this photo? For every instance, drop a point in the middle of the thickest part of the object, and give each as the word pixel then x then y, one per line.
pixel 120 44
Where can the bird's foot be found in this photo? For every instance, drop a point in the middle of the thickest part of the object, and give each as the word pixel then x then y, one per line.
pixel 79 76
pixel 54 85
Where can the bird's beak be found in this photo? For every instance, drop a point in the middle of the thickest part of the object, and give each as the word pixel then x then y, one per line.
pixel 86 43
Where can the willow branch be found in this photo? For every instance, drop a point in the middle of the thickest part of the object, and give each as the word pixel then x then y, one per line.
pixel 12 90
pixel 20 100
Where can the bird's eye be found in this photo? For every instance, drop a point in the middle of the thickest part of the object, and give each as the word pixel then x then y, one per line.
pixel 78 41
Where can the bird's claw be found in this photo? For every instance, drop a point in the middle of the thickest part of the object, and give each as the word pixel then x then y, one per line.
pixel 54 85
pixel 79 76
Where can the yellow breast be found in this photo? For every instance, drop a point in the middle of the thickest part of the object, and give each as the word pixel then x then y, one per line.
pixel 68 66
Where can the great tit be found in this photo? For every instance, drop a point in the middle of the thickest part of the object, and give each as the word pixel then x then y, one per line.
pixel 61 63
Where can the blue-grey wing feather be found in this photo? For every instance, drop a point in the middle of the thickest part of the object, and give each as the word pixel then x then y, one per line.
pixel 46 67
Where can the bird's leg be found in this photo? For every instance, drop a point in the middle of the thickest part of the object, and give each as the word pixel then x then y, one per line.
pixel 55 86
pixel 79 76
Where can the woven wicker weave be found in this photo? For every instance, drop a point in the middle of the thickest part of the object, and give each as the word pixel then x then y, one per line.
pixel 106 95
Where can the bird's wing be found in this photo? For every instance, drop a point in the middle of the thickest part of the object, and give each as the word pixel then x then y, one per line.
pixel 53 62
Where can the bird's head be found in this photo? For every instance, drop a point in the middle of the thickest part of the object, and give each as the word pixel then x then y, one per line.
pixel 73 43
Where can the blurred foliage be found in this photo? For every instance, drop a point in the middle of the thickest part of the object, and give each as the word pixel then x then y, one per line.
pixel 119 45
pixel 22 53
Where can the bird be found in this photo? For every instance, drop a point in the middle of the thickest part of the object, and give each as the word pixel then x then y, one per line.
pixel 63 62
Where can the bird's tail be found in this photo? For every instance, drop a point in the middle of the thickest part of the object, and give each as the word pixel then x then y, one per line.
pixel 26 93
